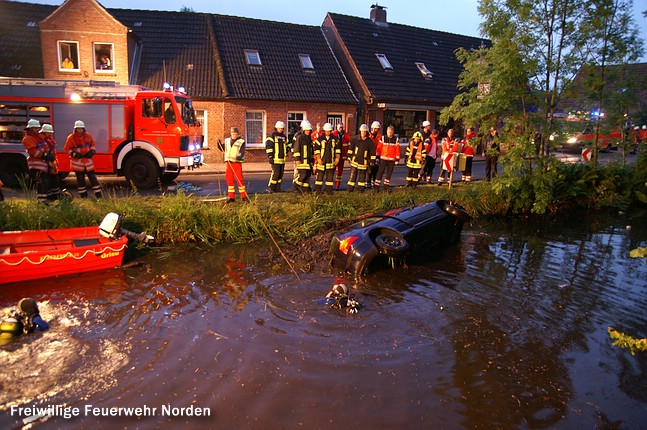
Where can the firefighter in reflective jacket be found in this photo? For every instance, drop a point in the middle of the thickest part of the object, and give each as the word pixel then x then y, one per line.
pixel 327 155
pixel 276 147
pixel 53 182
pixel 344 140
pixel 80 146
pixel 361 155
pixel 38 159
pixel 234 153
pixel 303 153
pixel 415 157
pixel 388 151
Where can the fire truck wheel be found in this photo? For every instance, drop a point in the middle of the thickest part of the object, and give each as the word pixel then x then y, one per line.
pixel 142 171
pixel 167 178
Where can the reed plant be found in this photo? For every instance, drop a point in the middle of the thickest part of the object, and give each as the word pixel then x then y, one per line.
pixel 292 217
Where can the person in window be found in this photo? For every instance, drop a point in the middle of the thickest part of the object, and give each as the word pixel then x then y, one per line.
pixel 104 63
pixel 169 113
pixel 67 63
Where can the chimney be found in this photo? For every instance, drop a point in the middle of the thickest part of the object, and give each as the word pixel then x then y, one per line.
pixel 378 14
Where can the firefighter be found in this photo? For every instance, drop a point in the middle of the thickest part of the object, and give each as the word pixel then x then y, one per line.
pixel 38 159
pixel 53 182
pixel 344 140
pixel 469 145
pixel 303 153
pixel 426 130
pixel 375 136
pixel 388 151
pixel 414 157
pixel 234 152
pixel 327 152
pixel 80 146
pixel 448 149
pixel 361 155
pixel 276 147
pixel 431 148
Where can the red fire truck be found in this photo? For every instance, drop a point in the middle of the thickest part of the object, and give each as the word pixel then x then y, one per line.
pixel 146 136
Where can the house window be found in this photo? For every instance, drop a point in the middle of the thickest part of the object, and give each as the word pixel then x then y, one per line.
pixel 424 70
pixel 68 56
pixel 294 123
pixel 386 65
pixel 306 62
pixel 254 126
pixel 334 119
pixel 104 57
pixel 253 57
pixel 202 117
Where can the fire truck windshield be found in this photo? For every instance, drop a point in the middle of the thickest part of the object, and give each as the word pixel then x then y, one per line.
pixel 188 114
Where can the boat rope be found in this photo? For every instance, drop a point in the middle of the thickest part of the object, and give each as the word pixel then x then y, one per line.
pixel 67 254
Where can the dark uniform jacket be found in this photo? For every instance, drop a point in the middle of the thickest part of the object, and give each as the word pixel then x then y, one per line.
pixel 303 151
pixel 276 147
pixel 361 153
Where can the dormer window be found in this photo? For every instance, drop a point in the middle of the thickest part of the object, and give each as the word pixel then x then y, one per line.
pixel 386 65
pixel 253 57
pixel 424 70
pixel 306 62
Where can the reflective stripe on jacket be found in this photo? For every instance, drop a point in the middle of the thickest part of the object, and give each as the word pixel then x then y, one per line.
pixel 81 145
pixel 361 152
pixel 276 147
pixel 234 152
pixel 303 152
pixel 328 150
pixel 388 148
pixel 415 154
pixel 36 148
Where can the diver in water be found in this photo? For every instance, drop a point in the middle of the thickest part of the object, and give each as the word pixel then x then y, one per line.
pixel 26 319
pixel 338 298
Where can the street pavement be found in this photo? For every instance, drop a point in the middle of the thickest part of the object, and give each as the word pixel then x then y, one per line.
pixel 209 180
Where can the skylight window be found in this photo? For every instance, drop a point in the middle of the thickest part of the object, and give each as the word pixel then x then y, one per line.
pixel 386 65
pixel 253 57
pixel 306 62
pixel 424 70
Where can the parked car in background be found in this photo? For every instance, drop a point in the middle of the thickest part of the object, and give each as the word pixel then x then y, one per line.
pixel 392 235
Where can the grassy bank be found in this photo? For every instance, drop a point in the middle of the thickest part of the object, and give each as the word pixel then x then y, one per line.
pixel 292 217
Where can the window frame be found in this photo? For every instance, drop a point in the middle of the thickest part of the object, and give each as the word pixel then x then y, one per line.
pixel 61 56
pixel 251 54
pixel 111 57
pixel 384 61
pixel 290 122
pixel 424 70
pixel 263 119
pixel 306 62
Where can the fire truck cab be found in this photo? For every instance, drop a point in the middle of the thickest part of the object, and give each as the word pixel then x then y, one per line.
pixel 146 136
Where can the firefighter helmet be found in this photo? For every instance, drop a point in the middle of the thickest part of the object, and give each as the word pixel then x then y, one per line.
pixel 33 123
pixel 305 125
pixel 279 124
pixel 327 127
pixel 376 124
pixel 47 128
pixel 417 135
pixel 79 124
pixel 363 127
pixel 426 123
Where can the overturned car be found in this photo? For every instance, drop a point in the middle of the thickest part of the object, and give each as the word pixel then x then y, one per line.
pixel 392 235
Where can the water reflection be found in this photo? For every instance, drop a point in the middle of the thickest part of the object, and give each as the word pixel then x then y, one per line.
pixel 507 330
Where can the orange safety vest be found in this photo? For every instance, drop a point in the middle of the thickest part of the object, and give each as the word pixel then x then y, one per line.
pixel 388 149
pixel 36 147
pixel 81 145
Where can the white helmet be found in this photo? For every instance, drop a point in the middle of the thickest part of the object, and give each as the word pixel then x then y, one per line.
pixel 33 123
pixel 279 124
pixel 644 127
pixel 79 124
pixel 327 127
pixel 376 124
pixel 47 128
pixel 305 125
pixel 363 127
pixel 426 123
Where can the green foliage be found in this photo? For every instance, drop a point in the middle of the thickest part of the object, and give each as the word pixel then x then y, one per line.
pixel 625 341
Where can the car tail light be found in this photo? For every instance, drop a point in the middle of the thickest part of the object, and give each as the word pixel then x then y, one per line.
pixel 345 244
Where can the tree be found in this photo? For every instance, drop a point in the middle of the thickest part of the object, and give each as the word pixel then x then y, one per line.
pixel 538 47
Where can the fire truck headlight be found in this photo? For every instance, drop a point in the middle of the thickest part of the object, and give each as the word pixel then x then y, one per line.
pixel 572 140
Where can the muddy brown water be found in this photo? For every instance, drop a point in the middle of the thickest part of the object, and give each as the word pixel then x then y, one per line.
pixel 506 330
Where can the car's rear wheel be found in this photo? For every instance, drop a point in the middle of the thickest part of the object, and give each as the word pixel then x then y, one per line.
pixel 391 245
pixel 458 212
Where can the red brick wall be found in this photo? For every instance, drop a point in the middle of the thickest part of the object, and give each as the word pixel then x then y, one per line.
pixel 85 22
pixel 224 115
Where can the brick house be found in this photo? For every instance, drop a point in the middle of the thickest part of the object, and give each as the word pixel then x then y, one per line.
pixel 240 72
pixel 403 75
